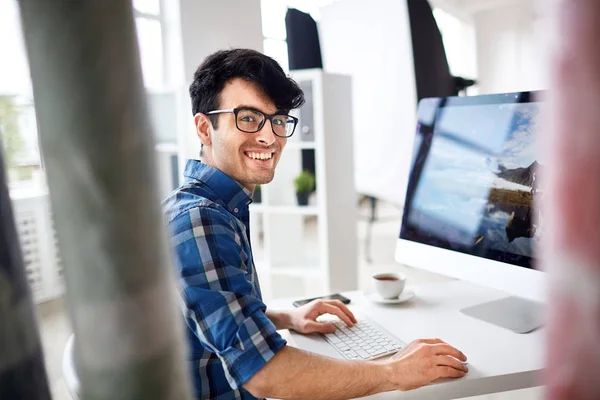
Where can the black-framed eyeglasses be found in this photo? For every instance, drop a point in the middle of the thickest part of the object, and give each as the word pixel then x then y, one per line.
pixel 250 120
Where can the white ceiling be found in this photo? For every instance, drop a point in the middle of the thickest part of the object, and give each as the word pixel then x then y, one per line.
pixel 471 7
pixel 461 8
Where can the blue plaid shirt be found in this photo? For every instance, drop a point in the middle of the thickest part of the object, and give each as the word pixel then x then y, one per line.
pixel 230 336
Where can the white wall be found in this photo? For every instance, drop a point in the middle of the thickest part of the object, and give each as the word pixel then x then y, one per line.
pixel 511 54
pixel 372 44
pixel 208 26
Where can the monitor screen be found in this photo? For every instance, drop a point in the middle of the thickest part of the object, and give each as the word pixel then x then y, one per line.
pixel 474 177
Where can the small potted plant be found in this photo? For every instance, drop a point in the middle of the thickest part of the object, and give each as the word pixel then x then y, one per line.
pixel 257 196
pixel 305 183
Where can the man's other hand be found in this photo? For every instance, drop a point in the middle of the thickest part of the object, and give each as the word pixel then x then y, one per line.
pixel 304 319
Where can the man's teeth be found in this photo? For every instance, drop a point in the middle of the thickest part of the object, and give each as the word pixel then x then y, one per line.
pixel 260 156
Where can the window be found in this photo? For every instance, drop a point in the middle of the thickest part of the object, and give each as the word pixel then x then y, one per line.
pixel 149 32
pixel 274 33
pixel 18 128
pixel 149 23
pixel 19 136
pixel 459 42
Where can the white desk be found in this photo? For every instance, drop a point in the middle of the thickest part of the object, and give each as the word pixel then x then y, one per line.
pixel 499 360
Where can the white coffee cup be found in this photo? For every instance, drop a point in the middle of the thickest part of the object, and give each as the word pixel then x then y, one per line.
pixel 389 285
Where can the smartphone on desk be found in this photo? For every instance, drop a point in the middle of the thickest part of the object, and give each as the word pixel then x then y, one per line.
pixel 335 296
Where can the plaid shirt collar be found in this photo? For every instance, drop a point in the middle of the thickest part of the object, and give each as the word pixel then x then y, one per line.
pixel 234 195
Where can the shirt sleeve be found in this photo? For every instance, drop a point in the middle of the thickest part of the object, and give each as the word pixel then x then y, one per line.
pixel 219 302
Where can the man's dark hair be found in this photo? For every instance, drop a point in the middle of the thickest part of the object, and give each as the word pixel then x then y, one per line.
pixel 250 65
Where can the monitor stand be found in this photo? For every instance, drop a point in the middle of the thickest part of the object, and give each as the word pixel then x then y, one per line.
pixel 514 313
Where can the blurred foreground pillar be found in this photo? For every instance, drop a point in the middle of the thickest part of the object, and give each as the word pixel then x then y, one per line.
pixel 97 147
pixel 22 372
pixel 571 251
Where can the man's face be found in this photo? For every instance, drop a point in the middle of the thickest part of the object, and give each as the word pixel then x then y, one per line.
pixel 249 158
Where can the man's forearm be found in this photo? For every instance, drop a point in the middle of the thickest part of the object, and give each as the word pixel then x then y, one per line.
pixel 281 319
pixel 296 374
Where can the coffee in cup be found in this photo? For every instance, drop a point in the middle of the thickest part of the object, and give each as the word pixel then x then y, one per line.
pixel 389 285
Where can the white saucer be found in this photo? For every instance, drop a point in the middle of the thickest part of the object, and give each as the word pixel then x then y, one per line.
pixel 406 295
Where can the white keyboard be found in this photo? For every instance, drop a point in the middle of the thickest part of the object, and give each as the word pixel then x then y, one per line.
pixel 364 341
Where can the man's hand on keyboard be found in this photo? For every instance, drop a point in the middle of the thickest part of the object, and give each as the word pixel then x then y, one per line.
pixel 304 319
pixel 424 361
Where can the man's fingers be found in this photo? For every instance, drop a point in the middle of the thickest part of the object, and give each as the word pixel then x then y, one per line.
pixel 444 349
pixel 343 307
pixel 448 361
pixel 448 372
pixel 331 309
pixel 319 327
pixel 431 341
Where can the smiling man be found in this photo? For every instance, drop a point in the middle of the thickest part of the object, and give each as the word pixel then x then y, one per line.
pixel 241 100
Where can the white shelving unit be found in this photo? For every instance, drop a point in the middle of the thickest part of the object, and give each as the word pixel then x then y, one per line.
pixel 37 236
pixel 39 245
pixel 314 246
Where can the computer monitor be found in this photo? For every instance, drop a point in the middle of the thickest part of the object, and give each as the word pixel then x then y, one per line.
pixel 469 211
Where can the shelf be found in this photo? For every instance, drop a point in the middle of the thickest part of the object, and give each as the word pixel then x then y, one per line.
pixel 301 145
pixel 298 210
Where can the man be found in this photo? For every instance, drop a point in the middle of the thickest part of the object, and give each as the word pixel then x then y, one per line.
pixel 240 101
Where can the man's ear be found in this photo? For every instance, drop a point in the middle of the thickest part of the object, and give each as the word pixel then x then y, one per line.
pixel 203 128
